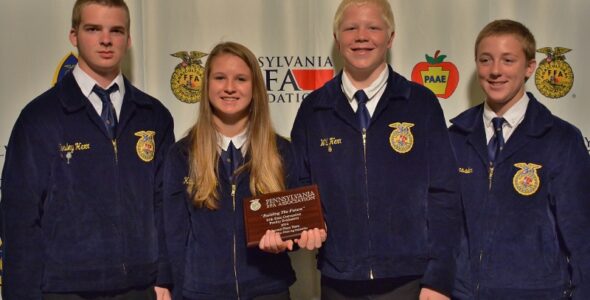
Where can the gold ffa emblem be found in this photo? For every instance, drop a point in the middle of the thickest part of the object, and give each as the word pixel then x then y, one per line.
pixel 146 146
pixel 554 77
pixel 187 77
pixel 526 181
pixel 401 138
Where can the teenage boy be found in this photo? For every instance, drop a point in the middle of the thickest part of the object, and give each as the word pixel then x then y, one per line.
pixel 81 191
pixel 525 183
pixel 377 146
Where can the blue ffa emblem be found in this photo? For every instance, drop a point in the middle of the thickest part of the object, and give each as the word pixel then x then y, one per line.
pixel 526 181
pixel 66 65
pixel 146 146
pixel 401 138
pixel 187 77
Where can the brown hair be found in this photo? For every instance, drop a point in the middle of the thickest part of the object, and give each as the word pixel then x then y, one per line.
pixel 504 27
pixel 77 11
pixel 265 164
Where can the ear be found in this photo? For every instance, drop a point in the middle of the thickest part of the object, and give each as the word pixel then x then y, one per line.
pixel 128 41
pixel 73 37
pixel 530 68
pixel 336 41
pixel 390 42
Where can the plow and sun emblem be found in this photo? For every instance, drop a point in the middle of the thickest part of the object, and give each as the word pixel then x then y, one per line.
pixel 146 146
pixel 526 181
pixel 401 138
pixel 554 77
pixel 187 77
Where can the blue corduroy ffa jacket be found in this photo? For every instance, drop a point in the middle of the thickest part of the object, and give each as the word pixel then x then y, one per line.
pixel 390 196
pixel 82 212
pixel 207 248
pixel 527 217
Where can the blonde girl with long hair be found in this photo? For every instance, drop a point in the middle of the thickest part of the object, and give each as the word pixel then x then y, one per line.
pixel 232 152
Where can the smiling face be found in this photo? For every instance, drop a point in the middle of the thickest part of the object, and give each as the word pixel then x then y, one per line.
pixel 230 89
pixel 363 39
pixel 502 69
pixel 102 39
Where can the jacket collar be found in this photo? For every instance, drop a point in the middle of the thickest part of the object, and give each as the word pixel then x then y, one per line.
pixel 397 89
pixel 72 98
pixel 537 121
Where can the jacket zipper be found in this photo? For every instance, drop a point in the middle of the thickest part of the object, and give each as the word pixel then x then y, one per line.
pixel 366 189
pixel 490 177
pixel 477 284
pixel 233 196
pixel 116 149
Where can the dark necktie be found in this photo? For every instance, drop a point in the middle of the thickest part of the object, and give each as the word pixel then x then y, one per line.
pixel 232 159
pixel 497 142
pixel 108 114
pixel 362 114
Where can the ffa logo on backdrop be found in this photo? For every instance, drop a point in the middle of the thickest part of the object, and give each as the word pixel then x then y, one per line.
pixel 65 66
pixel 288 79
pixel 441 77
pixel 187 76
pixel 554 77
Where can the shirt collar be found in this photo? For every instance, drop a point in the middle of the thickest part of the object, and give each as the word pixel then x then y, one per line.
pixel 86 83
pixel 371 91
pixel 239 140
pixel 513 116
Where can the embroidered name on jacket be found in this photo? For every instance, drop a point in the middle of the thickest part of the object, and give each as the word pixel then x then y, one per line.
pixel 146 146
pixel 329 142
pixel 466 170
pixel 526 181
pixel 66 151
pixel 401 138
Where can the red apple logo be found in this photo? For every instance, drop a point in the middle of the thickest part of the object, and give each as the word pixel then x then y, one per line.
pixel 440 77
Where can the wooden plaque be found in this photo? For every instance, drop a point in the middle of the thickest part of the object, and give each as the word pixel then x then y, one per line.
pixel 287 212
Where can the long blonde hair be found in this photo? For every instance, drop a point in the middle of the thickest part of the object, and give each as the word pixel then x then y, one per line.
pixel 265 164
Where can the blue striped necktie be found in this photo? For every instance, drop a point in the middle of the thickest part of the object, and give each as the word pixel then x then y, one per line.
pixel 362 113
pixel 108 114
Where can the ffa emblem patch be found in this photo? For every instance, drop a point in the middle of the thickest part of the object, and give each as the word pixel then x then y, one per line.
pixel 187 76
pixel 255 204
pixel 526 181
pixel 146 146
pixel 554 77
pixel 401 138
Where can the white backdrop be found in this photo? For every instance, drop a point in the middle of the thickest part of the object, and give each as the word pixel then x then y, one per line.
pixel 286 35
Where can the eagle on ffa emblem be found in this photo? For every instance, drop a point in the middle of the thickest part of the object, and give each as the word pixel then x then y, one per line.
pixel 401 138
pixel 526 181
pixel 146 146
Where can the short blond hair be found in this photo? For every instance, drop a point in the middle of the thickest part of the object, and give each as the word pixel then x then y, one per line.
pixel 383 5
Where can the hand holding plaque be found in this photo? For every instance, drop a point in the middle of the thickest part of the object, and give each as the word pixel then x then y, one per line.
pixel 287 212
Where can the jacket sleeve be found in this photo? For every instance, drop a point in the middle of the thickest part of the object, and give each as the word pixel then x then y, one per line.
pixel 299 142
pixel 443 205
pixel 25 177
pixel 570 193
pixel 289 165
pixel 167 139
pixel 176 215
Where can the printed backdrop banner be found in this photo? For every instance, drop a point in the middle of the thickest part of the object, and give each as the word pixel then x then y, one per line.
pixel 293 41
